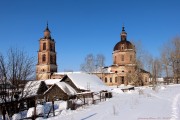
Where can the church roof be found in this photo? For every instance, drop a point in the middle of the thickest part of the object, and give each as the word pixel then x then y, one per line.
pixel 127 45
pixel 124 42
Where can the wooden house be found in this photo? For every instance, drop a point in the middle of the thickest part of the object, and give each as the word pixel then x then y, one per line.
pixel 61 91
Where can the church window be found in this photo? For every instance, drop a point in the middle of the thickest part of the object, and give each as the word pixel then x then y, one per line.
pixel 51 59
pixel 123 71
pixel 44 46
pixel 44 58
pixel 51 47
pixel 122 57
pixel 110 80
pixel 105 80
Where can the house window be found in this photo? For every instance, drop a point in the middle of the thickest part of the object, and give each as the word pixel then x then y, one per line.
pixel 110 80
pixel 122 57
pixel 44 46
pixel 44 58
pixel 105 80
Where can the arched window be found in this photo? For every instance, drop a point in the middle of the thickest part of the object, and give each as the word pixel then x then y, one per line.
pixel 110 80
pixel 51 59
pixel 44 58
pixel 105 80
pixel 44 46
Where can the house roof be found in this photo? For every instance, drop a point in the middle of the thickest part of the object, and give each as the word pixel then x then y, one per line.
pixel 31 88
pixel 86 81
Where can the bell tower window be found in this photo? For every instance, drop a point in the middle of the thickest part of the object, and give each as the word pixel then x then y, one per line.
pixel 44 46
pixel 44 58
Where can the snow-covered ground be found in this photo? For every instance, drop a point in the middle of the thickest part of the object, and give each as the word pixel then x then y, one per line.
pixel 163 103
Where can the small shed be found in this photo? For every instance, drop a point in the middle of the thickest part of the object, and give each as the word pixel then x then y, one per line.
pixel 60 90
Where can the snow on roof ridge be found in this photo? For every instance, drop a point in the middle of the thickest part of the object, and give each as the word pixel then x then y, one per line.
pixel 51 81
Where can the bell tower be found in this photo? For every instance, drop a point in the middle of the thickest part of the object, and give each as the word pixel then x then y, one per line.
pixel 46 65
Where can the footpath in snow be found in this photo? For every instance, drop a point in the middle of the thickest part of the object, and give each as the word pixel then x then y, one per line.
pixel 144 104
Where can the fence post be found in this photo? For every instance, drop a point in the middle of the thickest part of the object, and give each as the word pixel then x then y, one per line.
pixel 53 107
pixel 34 116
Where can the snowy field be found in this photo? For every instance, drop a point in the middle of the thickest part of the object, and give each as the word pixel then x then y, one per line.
pixel 163 103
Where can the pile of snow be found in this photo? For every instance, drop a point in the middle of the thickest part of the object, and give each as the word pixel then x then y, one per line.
pixel 87 82
pixel 63 105
pixel 39 111
pixel 78 102
pixel 16 116
pixel 117 90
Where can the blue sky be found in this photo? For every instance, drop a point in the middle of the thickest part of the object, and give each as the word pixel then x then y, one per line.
pixel 80 27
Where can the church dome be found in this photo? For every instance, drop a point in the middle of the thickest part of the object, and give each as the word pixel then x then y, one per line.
pixel 123 44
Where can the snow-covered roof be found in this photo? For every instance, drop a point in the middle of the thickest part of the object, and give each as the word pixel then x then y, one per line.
pixel 31 88
pixel 51 81
pixel 86 81
pixel 65 87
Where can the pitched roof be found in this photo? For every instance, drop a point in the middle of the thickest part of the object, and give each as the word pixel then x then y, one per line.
pixel 86 81
pixel 31 88
pixel 64 87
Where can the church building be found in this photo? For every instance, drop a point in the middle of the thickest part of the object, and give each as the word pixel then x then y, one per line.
pixel 124 65
pixel 46 65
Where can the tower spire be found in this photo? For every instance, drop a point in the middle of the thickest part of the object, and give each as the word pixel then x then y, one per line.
pixel 123 27
pixel 123 33
pixel 47 32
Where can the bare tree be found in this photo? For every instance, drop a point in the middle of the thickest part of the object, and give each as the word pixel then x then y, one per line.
pixel 20 66
pixel 14 67
pixel 93 64
pixel 100 62
pixel 170 56
pixel 156 70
